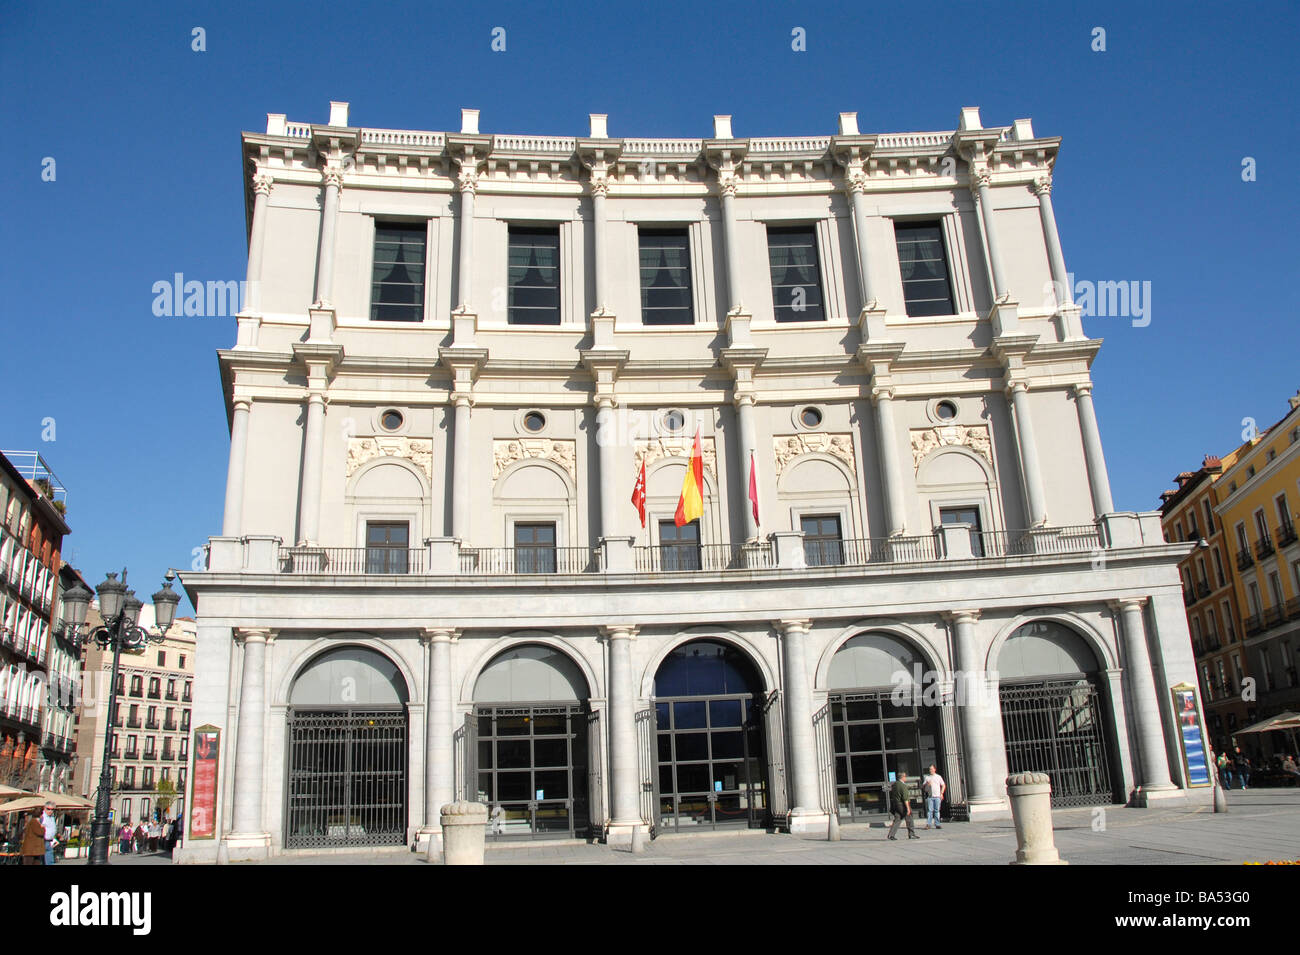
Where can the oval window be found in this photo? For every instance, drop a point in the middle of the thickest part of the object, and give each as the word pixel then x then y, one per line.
pixel 945 410
pixel 674 421
pixel 811 417
pixel 534 421
pixel 391 419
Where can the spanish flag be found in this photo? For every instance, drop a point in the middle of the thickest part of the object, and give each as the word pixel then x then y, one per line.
pixel 691 505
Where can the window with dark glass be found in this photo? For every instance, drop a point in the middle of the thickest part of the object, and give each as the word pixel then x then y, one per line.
pixel 535 548
pixel 534 276
pixel 162 658
pixel 796 280
pixel 965 515
pixel 397 280
pixel 386 547
pixel 680 546
pixel 925 268
pixel 822 544
pixel 666 277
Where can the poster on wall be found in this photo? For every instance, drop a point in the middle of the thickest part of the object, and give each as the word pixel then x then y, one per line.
pixel 1191 735
pixel 203 795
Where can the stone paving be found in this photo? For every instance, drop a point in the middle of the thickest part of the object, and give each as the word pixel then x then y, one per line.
pixel 1263 824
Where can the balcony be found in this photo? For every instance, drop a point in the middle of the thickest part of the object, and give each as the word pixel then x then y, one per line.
pixel 1244 560
pixel 528 560
pixel 131 754
pixel 167 754
pixel 1272 617
pixel 1264 547
pixel 150 754
pixel 169 725
pixel 185 698
pixel 1254 624
pixel 151 724
pixel 1189 598
pixel 136 691
pixel 351 561
pixel 170 695
pixel 155 694
pixel 1286 535
pixel 1202 589
pixel 133 723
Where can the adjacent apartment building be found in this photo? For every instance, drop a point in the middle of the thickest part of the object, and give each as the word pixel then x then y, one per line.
pixel 459 354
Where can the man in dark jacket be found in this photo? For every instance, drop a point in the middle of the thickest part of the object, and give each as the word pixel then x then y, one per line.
pixel 900 807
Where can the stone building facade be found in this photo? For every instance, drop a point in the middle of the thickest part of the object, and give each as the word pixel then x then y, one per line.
pixel 457 354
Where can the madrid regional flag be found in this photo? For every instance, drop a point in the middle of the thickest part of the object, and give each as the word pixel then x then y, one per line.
pixel 691 505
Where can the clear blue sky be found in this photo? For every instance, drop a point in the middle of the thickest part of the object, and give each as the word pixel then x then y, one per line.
pixel 145 135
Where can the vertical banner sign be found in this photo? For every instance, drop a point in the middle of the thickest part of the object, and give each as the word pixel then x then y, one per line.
pixel 203 793
pixel 1191 735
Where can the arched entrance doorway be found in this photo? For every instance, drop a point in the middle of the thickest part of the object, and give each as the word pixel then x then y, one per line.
pixel 347 728
pixel 530 740
pixel 1052 713
pixel 708 712
pixel 880 722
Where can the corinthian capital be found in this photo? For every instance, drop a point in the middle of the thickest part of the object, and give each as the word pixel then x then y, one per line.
pixel 262 184
pixel 727 185
pixel 855 183
pixel 600 186
pixel 980 180
pixel 333 176
pixel 1043 186
pixel 467 180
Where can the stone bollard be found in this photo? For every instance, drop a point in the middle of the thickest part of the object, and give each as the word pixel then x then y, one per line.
pixel 464 828
pixel 1031 811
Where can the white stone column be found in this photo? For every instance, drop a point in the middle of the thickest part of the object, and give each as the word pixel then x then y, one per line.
pixel 891 475
pixel 233 515
pixel 600 230
pixel 806 813
pixel 312 470
pixel 1031 471
pixel 746 450
pixel 727 186
pixel 439 767
pixel 257 244
pixel 624 760
pixel 981 196
pixel 468 182
pixel 328 226
pixel 1098 479
pixel 460 469
pixel 976 697
pixel 1139 675
pixel 857 186
pixel 247 824
pixel 1060 279
pixel 608 451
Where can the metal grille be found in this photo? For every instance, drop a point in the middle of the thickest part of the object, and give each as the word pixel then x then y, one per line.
pixel 648 755
pixel 825 759
pixel 347 778
pixel 595 780
pixel 1055 727
pixel 954 768
pixel 778 802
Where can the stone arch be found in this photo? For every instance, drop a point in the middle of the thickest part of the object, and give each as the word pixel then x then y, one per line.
pixel 531 672
pixel 372 472
pixel 929 471
pixel 931 655
pixel 415 689
pixel 503 480
pixel 519 638
pixel 1093 638
pixel 762 666
pixel 956 476
pixel 786 484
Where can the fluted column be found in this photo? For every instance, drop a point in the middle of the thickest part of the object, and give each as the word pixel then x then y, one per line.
pixel 468 183
pixel 1031 471
pixel 460 468
pixel 975 697
pixel 890 471
pixel 257 244
pixel 746 450
pixel 328 226
pixel 600 229
pixel 624 760
pixel 233 515
pixel 439 767
pixel 802 757
pixel 608 449
pixel 981 195
pixel 857 186
pixel 1098 479
pixel 1141 680
pixel 727 185
pixel 312 470
pixel 1060 279
pixel 250 739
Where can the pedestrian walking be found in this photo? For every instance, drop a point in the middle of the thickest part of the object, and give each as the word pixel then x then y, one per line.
pixel 154 832
pixel 33 846
pixel 900 807
pixel 933 788
pixel 1242 765
pixel 140 837
pixel 124 838
pixel 50 832
pixel 1225 771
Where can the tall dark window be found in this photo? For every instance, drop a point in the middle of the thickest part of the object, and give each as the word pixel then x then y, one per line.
pixel 397 282
pixel 535 548
pixel 666 277
pixel 965 515
pixel 534 276
pixel 386 547
pixel 796 281
pixel 680 546
pixel 822 544
pixel 925 268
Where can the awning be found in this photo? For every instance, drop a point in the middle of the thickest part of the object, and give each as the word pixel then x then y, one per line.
pixel 1283 721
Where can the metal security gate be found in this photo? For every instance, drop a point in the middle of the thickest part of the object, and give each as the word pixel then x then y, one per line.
pixel 595 778
pixel 346 778
pixel 825 759
pixel 777 794
pixel 647 757
pixel 1056 727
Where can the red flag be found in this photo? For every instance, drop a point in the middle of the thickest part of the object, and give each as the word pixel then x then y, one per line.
pixel 753 487
pixel 638 494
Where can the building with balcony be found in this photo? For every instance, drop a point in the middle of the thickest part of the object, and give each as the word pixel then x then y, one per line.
pixel 151 723
pixel 37 655
pixel 1258 507
pixel 459 352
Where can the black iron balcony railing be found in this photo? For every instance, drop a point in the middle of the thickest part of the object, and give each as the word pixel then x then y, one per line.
pixel 169 695
pixel 1286 535
pixel 351 561
pixel 155 695
pixel 1202 588
pixel 131 754
pixel 528 560
pixel 151 724
pixel 169 725
pixel 1245 560
pixel 679 558
pixel 1272 617
pixel 1189 598
pixel 1264 547
pixel 1254 624
pixel 185 698
pixel 150 754
pixel 133 722
pixel 136 691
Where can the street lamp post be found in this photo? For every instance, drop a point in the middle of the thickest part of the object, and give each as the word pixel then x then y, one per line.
pixel 120 609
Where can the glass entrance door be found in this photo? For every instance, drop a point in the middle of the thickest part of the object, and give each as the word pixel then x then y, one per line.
pixel 532 769
pixel 875 736
pixel 710 762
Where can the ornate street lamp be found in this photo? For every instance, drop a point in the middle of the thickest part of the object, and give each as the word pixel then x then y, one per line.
pixel 120 609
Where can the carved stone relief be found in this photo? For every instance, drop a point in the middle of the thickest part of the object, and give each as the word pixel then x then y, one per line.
pixel 416 450
pixel 677 447
pixel 972 437
pixel 785 448
pixel 561 452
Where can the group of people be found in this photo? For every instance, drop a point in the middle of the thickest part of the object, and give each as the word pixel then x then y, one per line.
pixel 148 836
pixel 37 837
pixel 933 790
pixel 1237 767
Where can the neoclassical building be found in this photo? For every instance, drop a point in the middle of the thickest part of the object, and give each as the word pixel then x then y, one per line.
pixel 460 350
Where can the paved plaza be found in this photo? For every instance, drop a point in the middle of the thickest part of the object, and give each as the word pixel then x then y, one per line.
pixel 1262 825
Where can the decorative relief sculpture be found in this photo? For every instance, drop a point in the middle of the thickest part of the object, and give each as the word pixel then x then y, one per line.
pixel 416 450
pixel 974 438
pixel 785 448
pixel 563 453
pixel 676 447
